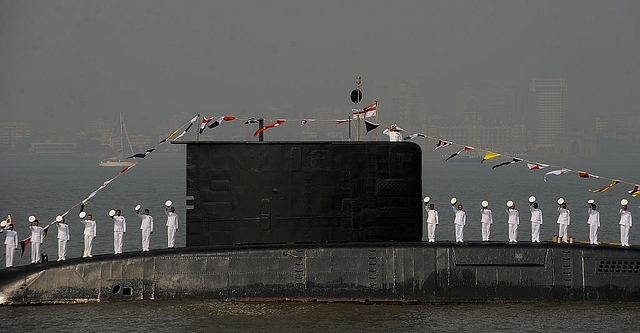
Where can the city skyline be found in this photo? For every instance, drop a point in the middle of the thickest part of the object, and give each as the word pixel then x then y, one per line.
pixel 491 118
pixel 66 63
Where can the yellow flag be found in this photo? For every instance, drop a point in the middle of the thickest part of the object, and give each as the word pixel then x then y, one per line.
pixel 613 182
pixel 489 155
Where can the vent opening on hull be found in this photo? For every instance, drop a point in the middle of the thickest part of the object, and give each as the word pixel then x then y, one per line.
pixel 115 289
pixel 126 292
pixel 619 266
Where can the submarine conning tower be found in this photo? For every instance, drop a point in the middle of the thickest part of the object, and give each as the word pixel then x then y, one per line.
pixel 301 192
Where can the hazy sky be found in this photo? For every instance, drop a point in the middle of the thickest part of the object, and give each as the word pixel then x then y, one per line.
pixel 63 62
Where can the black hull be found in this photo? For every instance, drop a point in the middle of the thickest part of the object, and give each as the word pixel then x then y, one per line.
pixel 440 272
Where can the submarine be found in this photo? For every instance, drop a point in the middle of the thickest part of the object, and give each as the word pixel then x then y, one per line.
pixel 323 222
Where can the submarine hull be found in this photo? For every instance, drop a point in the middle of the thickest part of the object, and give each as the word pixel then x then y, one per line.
pixel 440 272
pixel 323 221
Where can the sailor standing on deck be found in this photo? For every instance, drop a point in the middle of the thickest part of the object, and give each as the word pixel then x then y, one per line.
pixel 63 238
pixel 119 229
pixel 594 223
pixel 89 235
pixel 36 241
pixel 429 227
pixel 146 226
pixel 172 226
pixel 514 221
pixel 460 220
pixel 626 223
pixel 564 220
pixel 393 133
pixel 486 218
pixel 536 221
pixel 11 244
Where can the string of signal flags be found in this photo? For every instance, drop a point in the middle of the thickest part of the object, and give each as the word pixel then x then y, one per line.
pixel 357 114
pixel 25 242
pixel 371 110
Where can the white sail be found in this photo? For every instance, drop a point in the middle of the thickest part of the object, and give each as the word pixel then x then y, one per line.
pixel 120 161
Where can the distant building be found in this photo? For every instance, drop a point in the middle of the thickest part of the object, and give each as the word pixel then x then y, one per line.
pixel 399 101
pixel 140 142
pixel 498 137
pixel 549 105
pixel 577 143
pixel 53 148
pixel 12 133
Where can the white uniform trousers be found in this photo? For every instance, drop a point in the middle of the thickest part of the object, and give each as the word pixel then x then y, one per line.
pixel 9 254
pixel 88 245
pixel 35 252
pixel 171 236
pixel 117 242
pixel 459 232
pixel 486 231
pixel 593 233
pixel 513 232
pixel 562 232
pixel 145 239
pixel 535 232
pixel 624 235
pixel 431 232
pixel 62 249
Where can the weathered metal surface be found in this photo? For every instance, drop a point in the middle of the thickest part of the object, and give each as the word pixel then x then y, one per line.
pixel 267 192
pixel 355 272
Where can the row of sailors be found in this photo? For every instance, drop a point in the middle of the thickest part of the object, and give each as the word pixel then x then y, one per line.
pixel 89 232
pixel 486 218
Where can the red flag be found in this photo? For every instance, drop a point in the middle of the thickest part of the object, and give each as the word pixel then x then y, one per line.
pixel 263 128
pixel 537 166
pixel 613 182
pixel 366 112
pixel 466 148
pixel 635 191
pixel 23 245
pixel 221 120
pixel 556 172
pixel 583 174
pixel 204 123
pixel 340 121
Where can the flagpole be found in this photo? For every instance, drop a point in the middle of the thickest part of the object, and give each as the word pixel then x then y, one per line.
pixel 357 108
pixel 376 120
pixel 198 134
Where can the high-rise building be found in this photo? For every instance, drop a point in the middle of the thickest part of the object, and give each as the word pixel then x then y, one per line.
pixel 549 104
pixel 12 133
pixel 400 102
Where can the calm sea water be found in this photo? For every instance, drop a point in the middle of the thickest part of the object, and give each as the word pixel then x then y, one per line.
pixel 48 186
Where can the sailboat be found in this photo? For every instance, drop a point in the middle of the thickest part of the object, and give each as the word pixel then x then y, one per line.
pixel 119 161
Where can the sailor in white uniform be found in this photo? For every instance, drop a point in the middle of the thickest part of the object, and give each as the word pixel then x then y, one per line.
pixel 11 244
pixel 536 221
pixel 36 241
pixel 90 233
pixel 172 226
pixel 486 218
pixel 626 223
pixel 514 221
pixel 119 229
pixel 594 224
pixel 393 133
pixel 564 220
pixel 146 226
pixel 429 228
pixel 460 220
pixel 63 239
